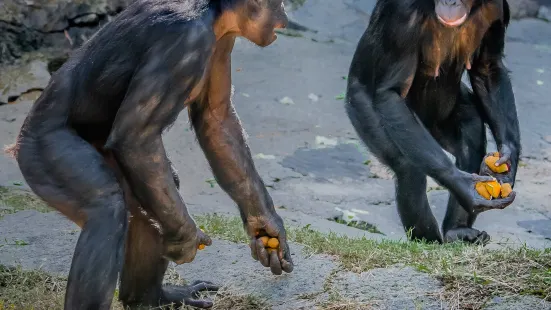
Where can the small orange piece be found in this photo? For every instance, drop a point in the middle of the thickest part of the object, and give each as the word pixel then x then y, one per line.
pixel 506 190
pixel 201 246
pixel 482 191
pixel 494 188
pixel 491 161
pixel 273 243
pixel 264 240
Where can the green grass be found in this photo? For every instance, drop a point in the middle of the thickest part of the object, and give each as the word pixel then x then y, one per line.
pixel 38 290
pixel 14 200
pixel 470 274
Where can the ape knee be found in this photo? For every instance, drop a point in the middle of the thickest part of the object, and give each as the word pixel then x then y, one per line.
pixel 109 211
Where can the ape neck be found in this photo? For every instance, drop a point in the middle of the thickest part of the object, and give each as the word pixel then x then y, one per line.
pixel 226 23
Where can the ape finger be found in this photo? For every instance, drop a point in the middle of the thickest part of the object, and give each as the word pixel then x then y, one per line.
pixel 502 160
pixel 200 287
pixel 203 238
pixel 275 265
pixel 505 155
pixel 262 254
pixel 202 304
pixel 482 178
pixel 252 245
pixel 287 264
pixel 284 255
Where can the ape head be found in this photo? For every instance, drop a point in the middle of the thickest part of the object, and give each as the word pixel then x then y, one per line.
pixel 257 20
pixel 453 13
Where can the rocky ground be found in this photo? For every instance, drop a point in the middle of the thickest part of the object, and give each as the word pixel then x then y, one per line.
pixel 289 99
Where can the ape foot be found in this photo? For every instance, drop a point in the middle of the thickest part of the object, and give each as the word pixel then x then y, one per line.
pixel 186 295
pixel 465 234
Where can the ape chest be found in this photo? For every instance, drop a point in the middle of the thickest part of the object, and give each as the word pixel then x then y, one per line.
pixel 451 50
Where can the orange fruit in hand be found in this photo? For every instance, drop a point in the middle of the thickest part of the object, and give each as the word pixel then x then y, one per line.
pixel 482 191
pixel 201 247
pixel 273 243
pixel 264 240
pixel 491 161
pixel 494 188
pixel 506 190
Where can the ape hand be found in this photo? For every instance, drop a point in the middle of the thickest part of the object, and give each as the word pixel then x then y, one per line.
pixel 472 200
pixel 505 157
pixel 183 247
pixel 270 225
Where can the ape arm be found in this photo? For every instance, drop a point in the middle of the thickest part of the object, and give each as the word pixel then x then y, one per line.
pixel 404 130
pixel 491 83
pixel 222 139
pixel 154 98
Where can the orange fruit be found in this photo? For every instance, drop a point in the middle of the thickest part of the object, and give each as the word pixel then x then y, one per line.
pixel 264 240
pixel 506 190
pixel 201 247
pixel 490 162
pixel 494 188
pixel 273 243
pixel 482 191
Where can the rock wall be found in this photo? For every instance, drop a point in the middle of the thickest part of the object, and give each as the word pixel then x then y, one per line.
pixel 28 25
pixel 32 24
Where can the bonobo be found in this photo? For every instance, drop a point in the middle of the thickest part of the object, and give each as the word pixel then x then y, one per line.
pixel 406 101
pixel 91 146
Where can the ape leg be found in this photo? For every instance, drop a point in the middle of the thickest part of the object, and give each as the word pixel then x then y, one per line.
pixel 413 205
pixel 71 176
pixel 411 197
pixel 144 265
pixel 466 140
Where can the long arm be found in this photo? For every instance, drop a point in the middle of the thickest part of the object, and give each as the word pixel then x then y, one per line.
pixel 155 97
pixel 222 139
pixel 491 83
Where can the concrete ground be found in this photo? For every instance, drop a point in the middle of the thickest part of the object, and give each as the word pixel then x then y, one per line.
pixel 307 152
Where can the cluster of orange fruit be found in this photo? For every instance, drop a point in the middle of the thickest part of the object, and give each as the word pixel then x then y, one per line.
pixel 493 189
pixel 270 243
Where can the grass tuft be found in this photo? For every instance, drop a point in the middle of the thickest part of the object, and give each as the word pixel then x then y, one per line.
pixel 38 290
pixel 14 200
pixel 470 274
pixel 30 289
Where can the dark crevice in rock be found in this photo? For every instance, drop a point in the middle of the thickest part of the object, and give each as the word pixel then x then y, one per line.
pixel 56 63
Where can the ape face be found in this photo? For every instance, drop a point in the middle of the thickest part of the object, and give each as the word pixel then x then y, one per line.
pixel 257 20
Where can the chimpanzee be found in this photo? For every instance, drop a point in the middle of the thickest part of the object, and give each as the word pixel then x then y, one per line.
pixel 406 101
pixel 91 146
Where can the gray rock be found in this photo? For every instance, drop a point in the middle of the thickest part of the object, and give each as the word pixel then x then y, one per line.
pixel 523 8
pixel 391 289
pixel 16 80
pixel 545 13
pixel 518 302
pixel 29 25
pixel 231 264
